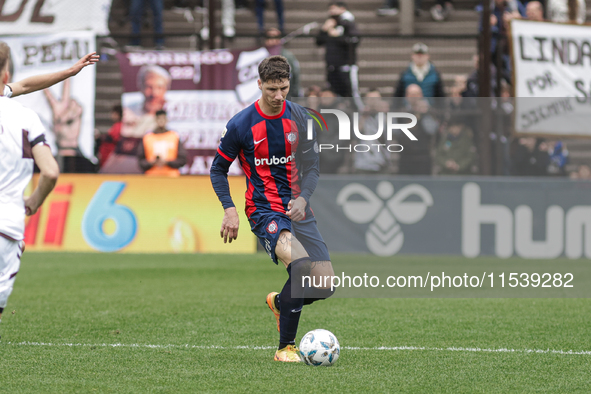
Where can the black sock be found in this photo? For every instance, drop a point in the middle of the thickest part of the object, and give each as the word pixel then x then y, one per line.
pixel 291 303
pixel 313 294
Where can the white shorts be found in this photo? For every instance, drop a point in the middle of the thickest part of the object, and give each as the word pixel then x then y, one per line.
pixel 10 262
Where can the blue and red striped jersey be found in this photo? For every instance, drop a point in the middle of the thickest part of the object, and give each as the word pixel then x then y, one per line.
pixel 278 159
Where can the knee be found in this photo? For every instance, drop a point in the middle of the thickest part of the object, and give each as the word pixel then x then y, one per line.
pixel 301 267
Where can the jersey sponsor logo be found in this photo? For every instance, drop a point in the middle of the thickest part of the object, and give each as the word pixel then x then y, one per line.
pixel 273 161
pixel 259 141
pixel 272 227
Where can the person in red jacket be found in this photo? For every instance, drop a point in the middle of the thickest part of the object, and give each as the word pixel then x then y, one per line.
pixel 109 141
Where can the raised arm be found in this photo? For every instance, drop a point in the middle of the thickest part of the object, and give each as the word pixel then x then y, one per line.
pixel 39 82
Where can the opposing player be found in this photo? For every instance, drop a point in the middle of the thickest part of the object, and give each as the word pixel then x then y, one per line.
pixel 22 141
pixel 281 166
pixel 39 82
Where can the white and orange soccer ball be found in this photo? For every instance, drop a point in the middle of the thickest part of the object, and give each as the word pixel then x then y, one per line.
pixel 320 347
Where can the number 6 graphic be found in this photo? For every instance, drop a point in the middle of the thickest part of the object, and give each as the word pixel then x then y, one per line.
pixel 103 207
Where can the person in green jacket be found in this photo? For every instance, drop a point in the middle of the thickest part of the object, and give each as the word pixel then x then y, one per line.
pixel 455 153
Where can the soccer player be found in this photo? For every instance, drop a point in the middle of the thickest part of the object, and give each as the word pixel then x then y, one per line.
pixel 22 142
pixel 281 165
pixel 39 82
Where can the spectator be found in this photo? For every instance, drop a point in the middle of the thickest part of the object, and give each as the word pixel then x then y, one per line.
pixel 107 142
pixel 331 161
pixel 273 39
pixel 422 73
pixel 455 153
pixel 260 10
pixel 558 158
pixel 582 173
pixel 415 159
pixel 441 10
pixel 137 12
pixel 534 10
pixel 473 81
pixel 502 11
pixel 530 157
pixel 313 97
pixel 161 151
pixel 459 86
pixel 376 160
pixel 558 11
pixel 339 35
pixel 228 21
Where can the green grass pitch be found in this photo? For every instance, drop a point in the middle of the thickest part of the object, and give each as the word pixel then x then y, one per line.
pixel 181 321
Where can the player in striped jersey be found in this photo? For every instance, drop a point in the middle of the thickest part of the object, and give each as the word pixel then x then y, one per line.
pixel 22 142
pixel 281 166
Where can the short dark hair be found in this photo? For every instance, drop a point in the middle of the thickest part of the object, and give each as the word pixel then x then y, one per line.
pixel 119 109
pixel 340 4
pixel 160 112
pixel 274 68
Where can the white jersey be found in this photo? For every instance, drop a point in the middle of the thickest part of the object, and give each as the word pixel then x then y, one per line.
pixel 20 130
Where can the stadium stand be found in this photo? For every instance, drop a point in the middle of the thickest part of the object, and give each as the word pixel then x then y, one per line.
pixel 382 53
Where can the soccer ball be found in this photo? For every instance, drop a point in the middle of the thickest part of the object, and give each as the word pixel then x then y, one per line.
pixel 320 347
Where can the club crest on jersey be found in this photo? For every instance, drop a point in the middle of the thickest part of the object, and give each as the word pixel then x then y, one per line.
pixel 291 137
pixel 272 227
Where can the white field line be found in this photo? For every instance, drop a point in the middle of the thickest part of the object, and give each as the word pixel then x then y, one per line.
pixel 380 348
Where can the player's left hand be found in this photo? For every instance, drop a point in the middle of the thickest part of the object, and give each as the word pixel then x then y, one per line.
pixel 86 60
pixel 296 209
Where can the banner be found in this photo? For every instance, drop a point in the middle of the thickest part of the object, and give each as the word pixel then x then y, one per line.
pixel 469 216
pixel 552 64
pixel 66 109
pixel 53 16
pixel 200 91
pixel 136 214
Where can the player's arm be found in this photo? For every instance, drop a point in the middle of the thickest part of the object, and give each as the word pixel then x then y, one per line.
pixel 49 172
pixel 310 170
pixel 218 173
pixel 39 82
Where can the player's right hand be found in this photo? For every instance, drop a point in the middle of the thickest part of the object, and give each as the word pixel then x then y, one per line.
pixel 86 60
pixel 229 231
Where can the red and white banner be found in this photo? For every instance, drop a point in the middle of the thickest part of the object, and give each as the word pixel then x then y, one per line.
pixel 200 91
